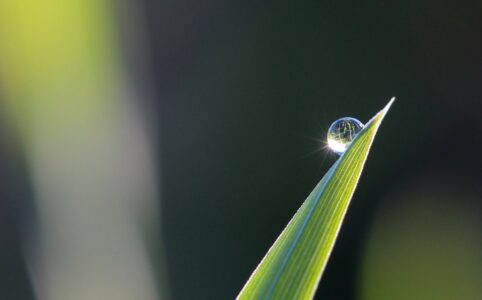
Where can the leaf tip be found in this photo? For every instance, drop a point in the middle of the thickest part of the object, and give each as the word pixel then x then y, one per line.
pixel 389 104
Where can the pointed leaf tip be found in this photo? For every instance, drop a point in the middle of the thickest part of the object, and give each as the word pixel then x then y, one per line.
pixel 294 264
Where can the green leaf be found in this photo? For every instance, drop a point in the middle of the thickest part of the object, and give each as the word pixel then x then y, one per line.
pixel 294 264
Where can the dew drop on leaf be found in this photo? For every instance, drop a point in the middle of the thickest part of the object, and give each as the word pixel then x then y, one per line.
pixel 342 132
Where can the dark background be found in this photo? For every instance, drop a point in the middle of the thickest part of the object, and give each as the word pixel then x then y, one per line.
pixel 247 91
pixel 244 92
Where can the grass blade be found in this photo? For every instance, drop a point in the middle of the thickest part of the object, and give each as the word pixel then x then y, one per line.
pixel 293 266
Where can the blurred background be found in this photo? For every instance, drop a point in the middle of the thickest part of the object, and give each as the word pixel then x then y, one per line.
pixel 156 149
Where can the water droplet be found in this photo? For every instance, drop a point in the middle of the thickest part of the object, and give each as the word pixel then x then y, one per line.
pixel 342 132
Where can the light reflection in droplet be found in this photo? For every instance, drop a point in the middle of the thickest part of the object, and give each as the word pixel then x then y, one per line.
pixel 342 132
